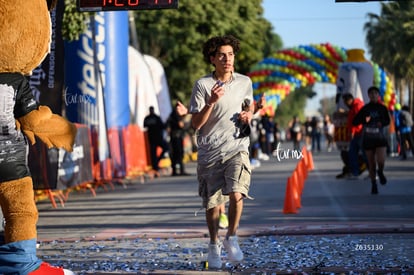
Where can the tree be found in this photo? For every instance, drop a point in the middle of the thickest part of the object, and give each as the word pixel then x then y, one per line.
pixel 293 105
pixel 73 23
pixel 390 37
pixel 328 105
pixel 176 37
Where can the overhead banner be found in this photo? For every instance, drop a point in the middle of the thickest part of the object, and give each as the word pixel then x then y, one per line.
pixel 46 83
pixel 46 80
pixel 116 66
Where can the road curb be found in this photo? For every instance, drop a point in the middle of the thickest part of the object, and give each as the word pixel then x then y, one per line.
pixel 264 230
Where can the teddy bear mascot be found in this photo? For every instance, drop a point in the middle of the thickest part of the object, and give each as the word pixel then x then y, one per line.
pixel 25 29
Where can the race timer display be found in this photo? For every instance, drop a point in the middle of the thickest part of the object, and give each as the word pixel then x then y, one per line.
pixel 114 5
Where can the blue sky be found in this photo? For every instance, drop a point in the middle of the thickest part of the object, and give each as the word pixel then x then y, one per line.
pixel 304 22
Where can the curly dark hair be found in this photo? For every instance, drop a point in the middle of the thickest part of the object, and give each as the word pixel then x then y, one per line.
pixel 211 45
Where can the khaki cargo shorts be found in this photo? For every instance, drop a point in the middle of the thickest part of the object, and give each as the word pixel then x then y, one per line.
pixel 218 180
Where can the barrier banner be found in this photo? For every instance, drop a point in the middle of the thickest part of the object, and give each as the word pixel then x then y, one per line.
pixel 136 153
pixel 75 167
pixel 117 153
pixel 342 135
pixel 56 169
pixel 43 165
pixel 102 169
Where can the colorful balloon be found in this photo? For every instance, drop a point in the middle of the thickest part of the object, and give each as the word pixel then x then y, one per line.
pixel 304 65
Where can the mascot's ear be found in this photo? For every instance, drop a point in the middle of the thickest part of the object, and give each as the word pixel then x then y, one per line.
pixel 51 4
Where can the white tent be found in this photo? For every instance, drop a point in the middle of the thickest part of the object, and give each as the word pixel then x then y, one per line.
pixel 147 87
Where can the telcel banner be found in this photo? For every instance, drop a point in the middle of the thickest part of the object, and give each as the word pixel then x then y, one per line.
pixel 96 76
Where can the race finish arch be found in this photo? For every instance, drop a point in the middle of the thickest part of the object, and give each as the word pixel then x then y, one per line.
pixel 288 69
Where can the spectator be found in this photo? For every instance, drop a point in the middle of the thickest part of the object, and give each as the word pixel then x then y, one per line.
pixel 277 136
pixel 355 145
pixel 156 130
pixel 404 123
pixel 329 131
pixel 295 133
pixel 175 123
pixel 254 143
pixel 392 148
pixel 316 130
pixel 268 135
pixel 256 137
pixel 308 132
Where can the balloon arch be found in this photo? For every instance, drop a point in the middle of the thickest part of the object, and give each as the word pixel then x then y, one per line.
pixel 291 68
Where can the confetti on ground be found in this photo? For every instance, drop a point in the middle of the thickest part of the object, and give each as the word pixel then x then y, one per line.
pixel 299 254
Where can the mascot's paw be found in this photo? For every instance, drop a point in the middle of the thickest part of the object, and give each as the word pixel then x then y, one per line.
pixel 32 120
pixel 47 269
pixel 56 132
pixel 36 117
pixel 53 130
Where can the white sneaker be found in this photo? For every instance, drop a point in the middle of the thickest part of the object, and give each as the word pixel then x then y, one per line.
pixel 214 255
pixel 263 156
pixel 233 249
pixel 254 163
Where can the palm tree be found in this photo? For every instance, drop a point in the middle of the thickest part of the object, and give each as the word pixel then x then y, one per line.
pixel 390 41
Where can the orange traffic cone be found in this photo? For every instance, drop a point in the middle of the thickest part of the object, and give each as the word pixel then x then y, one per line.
pixel 305 159
pixel 297 182
pixel 305 153
pixel 310 160
pixel 302 167
pixel 289 204
pixel 302 174
pixel 305 167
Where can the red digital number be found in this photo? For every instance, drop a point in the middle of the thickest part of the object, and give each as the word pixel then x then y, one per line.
pixel 108 5
pixel 120 3
pixel 131 3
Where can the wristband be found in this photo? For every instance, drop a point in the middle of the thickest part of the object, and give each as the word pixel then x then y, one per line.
pixel 210 104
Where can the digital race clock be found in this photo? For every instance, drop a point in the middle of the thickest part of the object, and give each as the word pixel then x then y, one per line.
pixel 114 5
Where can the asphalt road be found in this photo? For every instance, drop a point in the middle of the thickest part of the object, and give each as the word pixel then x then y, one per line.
pixel 170 205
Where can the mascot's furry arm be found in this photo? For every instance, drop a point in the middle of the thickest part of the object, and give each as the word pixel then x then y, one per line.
pixel 53 130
